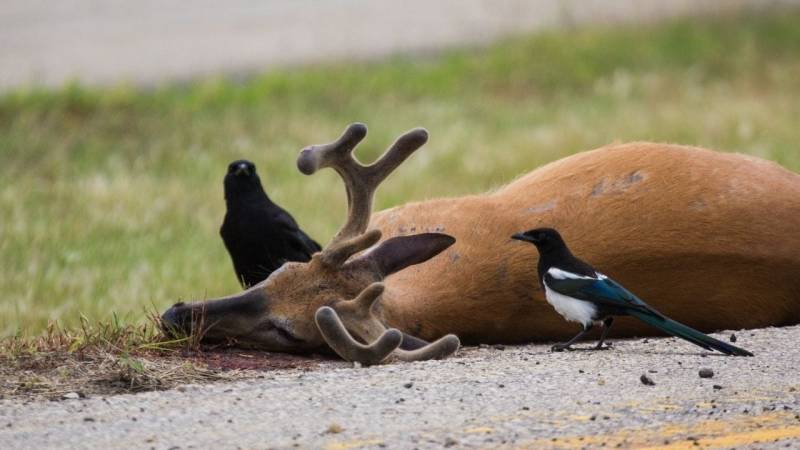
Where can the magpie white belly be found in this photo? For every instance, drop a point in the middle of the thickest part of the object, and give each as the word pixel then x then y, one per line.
pixel 572 309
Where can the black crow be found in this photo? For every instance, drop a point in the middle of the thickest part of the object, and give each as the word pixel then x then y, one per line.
pixel 260 236
pixel 581 294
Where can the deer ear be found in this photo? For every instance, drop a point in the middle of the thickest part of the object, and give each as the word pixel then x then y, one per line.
pixel 397 253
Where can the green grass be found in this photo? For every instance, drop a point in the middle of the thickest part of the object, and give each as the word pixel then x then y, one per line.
pixel 110 199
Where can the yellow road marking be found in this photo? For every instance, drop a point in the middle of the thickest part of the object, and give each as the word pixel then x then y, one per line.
pixel 735 439
pixel 346 445
pixel 709 434
pixel 478 430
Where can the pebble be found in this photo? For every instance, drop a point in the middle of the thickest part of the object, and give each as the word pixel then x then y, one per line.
pixel 71 396
pixel 706 373
pixel 733 337
pixel 647 381
pixel 334 428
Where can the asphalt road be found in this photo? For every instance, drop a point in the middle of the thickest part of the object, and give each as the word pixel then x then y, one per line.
pixel 152 41
pixel 522 397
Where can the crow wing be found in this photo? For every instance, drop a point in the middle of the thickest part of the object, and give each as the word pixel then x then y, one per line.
pixel 298 245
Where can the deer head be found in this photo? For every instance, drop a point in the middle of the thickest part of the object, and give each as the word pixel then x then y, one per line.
pixel 334 299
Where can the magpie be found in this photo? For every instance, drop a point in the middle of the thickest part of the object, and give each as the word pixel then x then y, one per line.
pixel 260 236
pixel 582 294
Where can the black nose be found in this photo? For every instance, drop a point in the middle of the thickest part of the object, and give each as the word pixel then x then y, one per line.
pixel 175 320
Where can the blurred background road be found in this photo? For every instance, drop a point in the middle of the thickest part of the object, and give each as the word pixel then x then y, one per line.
pixel 150 41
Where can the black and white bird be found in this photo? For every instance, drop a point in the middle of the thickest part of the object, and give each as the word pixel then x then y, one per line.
pixel 260 236
pixel 582 294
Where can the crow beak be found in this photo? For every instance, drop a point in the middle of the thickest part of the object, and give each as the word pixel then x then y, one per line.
pixel 522 237
pixel 242 168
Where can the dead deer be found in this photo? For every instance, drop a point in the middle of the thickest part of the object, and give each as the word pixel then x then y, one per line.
pixel 710 239
pixel 303 306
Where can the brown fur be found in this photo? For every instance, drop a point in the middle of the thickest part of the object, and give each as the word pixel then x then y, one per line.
pixel 710 239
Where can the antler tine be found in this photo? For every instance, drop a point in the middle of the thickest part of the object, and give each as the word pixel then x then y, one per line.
pixel 403 147
pixel 439 349
pixel 360 181
pixel 316 157
pixel 357 316
pixel 344 345
pixel 336 254
pixel 357 313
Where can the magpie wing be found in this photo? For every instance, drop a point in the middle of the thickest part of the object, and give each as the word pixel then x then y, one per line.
pixel 600 290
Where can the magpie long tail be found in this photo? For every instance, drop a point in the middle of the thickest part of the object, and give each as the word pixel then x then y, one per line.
pixel 690 334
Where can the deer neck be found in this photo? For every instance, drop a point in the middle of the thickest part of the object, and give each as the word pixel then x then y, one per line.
pixel 396 312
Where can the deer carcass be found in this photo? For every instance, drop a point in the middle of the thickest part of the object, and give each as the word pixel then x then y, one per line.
pixel 710 239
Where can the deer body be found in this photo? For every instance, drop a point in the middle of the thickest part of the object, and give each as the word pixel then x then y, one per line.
pixel 708 238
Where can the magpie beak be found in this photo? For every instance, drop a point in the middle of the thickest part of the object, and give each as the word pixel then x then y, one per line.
pixel 523 237
pixel 242 168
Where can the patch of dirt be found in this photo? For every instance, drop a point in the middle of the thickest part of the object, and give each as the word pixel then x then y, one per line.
pixel 237 359
pixel 54 375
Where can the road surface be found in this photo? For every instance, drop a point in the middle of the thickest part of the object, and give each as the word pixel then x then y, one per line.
pixel 520 396
pixel 153 41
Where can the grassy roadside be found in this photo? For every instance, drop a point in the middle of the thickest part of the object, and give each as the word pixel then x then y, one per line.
pixel 93 358
pixel 111 199
pixel 107 358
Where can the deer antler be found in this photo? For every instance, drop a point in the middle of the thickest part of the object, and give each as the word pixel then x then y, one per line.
pixel 357 315
pixel 360 181
pixel 336 254
pixel 349 349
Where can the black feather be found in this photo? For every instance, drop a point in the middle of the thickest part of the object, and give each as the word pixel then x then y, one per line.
pixel 260 236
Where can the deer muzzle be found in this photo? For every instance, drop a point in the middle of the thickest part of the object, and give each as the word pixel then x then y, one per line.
pixel 242 319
